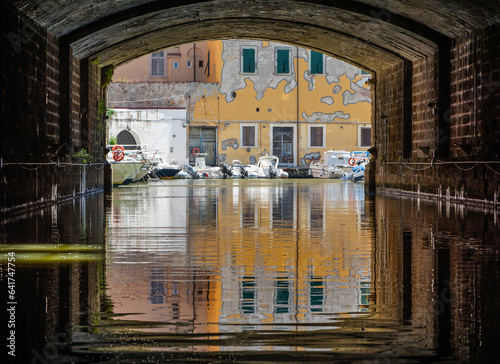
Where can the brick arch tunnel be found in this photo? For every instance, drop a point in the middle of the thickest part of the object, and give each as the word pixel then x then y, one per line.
pixel 435 83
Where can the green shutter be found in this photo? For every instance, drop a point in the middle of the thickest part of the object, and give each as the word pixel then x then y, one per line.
pixel 248 60
pixel 316 62
pixel 283 61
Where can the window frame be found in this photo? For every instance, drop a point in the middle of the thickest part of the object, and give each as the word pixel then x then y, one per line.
pixel 256 139
pixel 276 52
pixel 151 64
pixel 309 135
pixel 360 127
pixel 242 60
pixel 322 64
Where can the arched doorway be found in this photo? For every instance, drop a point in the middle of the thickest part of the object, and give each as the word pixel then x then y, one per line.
pixel 127 140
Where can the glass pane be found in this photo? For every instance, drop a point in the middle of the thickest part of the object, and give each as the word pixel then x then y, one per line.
pixel 248 136
pixel 249 60
pixel 316 62
pixel 283 61
pixel 316 136
pixel 366 137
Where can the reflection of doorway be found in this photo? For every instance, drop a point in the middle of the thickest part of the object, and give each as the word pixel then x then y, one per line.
pixel 127 140
pixel 283 144
pixel 205 140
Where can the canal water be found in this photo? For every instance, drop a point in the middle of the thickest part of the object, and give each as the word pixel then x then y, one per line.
pixel 250 271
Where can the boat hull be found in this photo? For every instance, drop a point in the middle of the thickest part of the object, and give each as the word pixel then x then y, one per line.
pixel 125 172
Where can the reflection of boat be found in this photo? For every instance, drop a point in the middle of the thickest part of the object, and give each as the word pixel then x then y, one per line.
pixel 333 164
pixel 267 167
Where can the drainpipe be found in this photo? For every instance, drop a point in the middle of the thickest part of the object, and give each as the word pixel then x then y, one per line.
pixel 298 111
pixel 194 62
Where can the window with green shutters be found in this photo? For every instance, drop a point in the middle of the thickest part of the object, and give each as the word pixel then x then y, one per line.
pixel 282 61
pixel 248 60
pixel 316 62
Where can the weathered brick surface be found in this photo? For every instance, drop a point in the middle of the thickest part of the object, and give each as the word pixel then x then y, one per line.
pixel 474 119
pixel 30 119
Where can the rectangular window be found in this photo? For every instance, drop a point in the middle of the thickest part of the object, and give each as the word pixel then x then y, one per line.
pixel 200 63
pixel 317 136
pixel 188 64
pixel 248 136
pixel 365 136
pixel 283 61
pixel 316 63
pixel 248 60
pixel 158 64
pixel 176 65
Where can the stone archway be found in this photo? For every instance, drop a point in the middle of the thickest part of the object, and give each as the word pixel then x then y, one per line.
pixel 434 92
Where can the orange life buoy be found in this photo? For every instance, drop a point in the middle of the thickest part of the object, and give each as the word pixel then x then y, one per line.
pixel 118 152
pixel 352 161
pixel 196 151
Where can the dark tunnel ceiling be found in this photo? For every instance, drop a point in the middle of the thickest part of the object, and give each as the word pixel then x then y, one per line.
pixel 370 33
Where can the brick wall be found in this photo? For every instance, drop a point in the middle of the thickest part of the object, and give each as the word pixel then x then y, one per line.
pixel 31 119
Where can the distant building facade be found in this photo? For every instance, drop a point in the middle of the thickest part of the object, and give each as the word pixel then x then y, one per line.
pixel 255 98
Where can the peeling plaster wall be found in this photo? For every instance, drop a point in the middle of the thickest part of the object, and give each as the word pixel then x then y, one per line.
pixel 339 99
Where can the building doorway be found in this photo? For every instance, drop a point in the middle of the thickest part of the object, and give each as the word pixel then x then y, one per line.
pixel 203 139
pixel 283 144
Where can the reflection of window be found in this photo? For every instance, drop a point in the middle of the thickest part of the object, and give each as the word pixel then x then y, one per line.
pixel 365 136
pixel 248 295
pixel 188 64
pixel 282 302
pixel 248 133
pixel 176 65
pixel 316 136
pixel 158 64
pixel 316 294
pixel 316 63
pixel 157 291
pixel 282 60
pixel 248 60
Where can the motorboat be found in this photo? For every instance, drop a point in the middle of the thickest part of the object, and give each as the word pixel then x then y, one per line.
pixel 164 170
pixel 206 171
pixel 127 167
pixel 241 171
pixel 357 174
pixel 333 164
pixel 267 167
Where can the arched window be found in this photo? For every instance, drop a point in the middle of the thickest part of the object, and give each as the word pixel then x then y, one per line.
pixel 127 140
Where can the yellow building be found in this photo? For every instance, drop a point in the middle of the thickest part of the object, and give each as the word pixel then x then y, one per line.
pixel 281 100
pixel 252 98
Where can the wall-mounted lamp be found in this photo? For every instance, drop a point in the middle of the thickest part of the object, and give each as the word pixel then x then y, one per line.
pixel 226 125
pixel 174 135
pixel 184 125
pixel 426 150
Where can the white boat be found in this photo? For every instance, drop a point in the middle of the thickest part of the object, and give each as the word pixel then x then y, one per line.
pixel 238 170
pixel 164 170
pixel 206 171
pixel 333 164
pixel 128 170
pixel 128 166
pixel 267 167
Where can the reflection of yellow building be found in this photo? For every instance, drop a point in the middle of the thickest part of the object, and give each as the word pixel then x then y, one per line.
pixel 287 101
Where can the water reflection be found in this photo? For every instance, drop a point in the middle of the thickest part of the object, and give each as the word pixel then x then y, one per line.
pixel 257 271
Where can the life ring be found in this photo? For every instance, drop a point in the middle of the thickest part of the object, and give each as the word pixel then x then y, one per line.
pixel 195 151
pixel 118 153
pixel 352 161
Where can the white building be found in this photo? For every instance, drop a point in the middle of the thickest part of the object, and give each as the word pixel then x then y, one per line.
pixel 152 129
